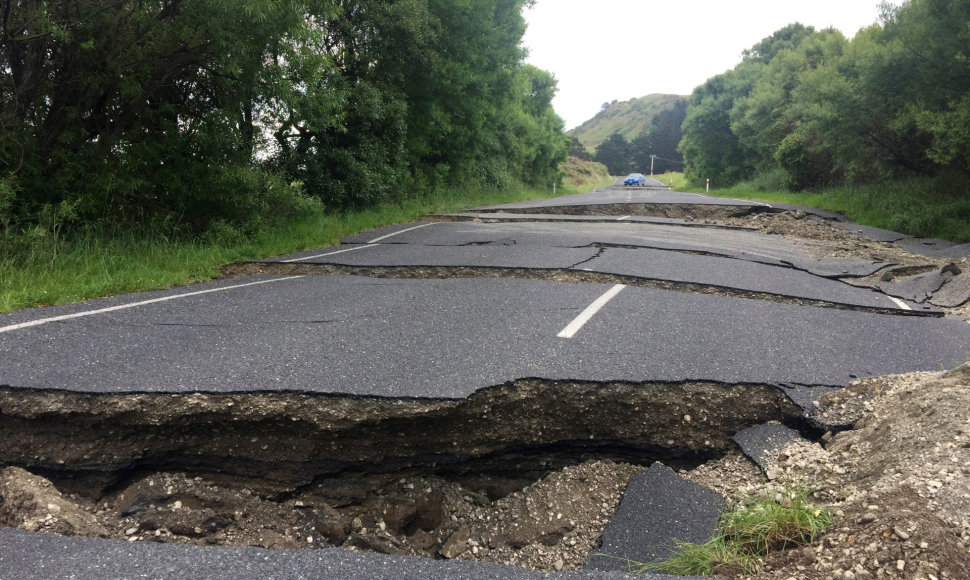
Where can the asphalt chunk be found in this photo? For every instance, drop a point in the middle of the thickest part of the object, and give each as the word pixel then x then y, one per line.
pixel 658 509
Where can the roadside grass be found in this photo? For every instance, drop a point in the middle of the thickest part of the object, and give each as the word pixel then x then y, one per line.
pixel 586 174
pixel 925 207
pixel 47 267
pixel 674 179
pixel 745 536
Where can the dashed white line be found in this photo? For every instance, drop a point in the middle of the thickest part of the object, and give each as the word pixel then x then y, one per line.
pixel 41 321
pixel 591 310
pixel 900 303
pixel 626 217
pixel 382 238
pixel 354 249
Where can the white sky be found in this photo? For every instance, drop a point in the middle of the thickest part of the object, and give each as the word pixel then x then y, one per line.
pixel 602 50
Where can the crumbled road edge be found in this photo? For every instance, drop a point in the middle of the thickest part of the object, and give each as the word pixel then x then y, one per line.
pixel 898 481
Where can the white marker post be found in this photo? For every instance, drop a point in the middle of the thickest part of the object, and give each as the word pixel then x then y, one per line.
pixel 708 185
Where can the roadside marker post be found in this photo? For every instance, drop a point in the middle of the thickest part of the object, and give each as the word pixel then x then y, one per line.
pixel 708 185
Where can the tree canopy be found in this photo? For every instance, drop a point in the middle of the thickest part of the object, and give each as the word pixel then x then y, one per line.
pixel 200 110
pixel 822 110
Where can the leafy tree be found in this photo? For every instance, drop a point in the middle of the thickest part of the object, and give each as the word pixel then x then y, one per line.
pixel 577 149
pixel 614 153
pixel 661 139
pixel 195 111
pixel 710 148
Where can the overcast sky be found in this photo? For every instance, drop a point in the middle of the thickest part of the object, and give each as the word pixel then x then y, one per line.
pixel 601 50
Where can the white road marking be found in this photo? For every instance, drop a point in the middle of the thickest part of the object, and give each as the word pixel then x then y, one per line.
pixel 354 249
pixel 900 303
pixel 382 238
pixel 41 321
pixel 591 310
pixel 626 217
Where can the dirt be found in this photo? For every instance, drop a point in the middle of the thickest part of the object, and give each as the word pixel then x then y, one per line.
pixel 897 480
pixel 894 468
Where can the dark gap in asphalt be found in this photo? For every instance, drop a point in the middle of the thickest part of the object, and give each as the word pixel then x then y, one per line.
pixel 648 247
pixel 395 476
pixel 598 254
pixel 550 274
pixel 890 274
pixel 684 211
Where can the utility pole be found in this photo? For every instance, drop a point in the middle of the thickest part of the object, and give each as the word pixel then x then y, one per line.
pixel 652 157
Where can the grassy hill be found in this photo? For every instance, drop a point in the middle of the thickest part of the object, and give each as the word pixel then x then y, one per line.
pixel 630 118
pixel 580 174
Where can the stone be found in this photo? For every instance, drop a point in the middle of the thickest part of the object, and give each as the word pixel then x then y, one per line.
pixel 456 544
pixel 334 530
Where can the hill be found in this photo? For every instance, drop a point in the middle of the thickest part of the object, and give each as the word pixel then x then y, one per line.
pixel 629 118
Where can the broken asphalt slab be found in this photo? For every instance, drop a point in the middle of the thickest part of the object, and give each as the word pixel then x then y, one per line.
pixel 38 555
pixel 917 288
pixel 658 266
pixel 839 267
pixel 658 509
pixel 527 217
pixel 615 196
pixel 486 256
pixel 600 199
pixel 759 441
pixel 735 274
pixel 954 293
pixel 411 338
pixel 741 244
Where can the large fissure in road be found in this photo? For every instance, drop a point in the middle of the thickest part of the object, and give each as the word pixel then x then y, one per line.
pixel 389 475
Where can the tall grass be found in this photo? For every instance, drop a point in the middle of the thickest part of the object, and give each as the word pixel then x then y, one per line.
pixel 745 535
pixel 44 266
pixel 926 207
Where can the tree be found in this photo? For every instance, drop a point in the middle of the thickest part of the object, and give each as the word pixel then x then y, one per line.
pixel 614 153
pixel 661 140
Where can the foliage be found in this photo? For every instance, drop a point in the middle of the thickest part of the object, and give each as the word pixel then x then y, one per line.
pixel 745 535
pixel 892 102
pixel 615 153
pixel 40 267
pixel 201 112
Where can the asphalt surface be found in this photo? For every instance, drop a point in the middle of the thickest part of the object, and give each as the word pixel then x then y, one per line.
pixel 24 556
pixel 621 195
pixel 733 243
pixel 658 509
pixel 645 263
pixel 448 338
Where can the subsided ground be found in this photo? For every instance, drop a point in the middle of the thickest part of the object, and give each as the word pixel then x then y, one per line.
pixel 890 455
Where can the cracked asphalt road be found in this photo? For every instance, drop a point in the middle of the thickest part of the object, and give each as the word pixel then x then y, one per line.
pixel 448 338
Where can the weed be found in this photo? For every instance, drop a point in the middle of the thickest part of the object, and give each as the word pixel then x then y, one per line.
pixel 745 535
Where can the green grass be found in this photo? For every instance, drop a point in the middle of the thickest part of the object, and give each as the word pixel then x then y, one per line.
pixel 745 536
pixel 926 207
pixel 44 268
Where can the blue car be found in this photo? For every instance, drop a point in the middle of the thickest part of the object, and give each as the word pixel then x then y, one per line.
pixel 635 179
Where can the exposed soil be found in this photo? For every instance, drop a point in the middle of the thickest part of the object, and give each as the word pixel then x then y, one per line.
pixel 898 481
